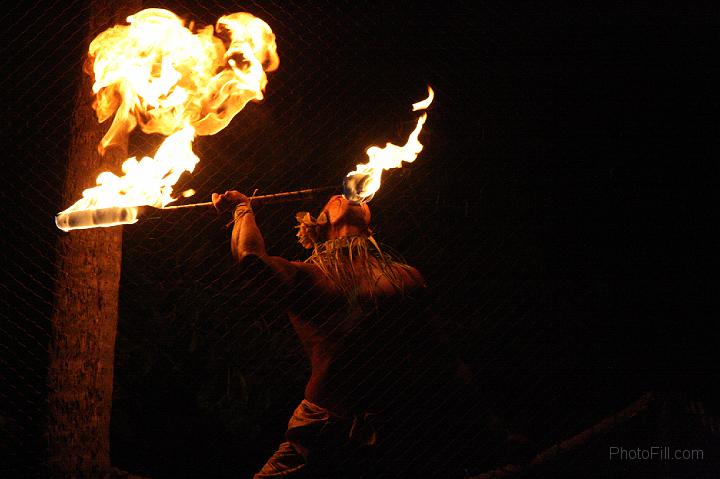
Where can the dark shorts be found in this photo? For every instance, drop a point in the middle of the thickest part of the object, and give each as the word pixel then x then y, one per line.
pixel 320 444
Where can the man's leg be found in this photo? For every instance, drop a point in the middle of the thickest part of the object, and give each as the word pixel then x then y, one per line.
pixel 286 462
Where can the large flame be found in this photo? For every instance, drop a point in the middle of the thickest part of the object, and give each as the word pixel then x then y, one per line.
pixel 168 79
pixel 361 184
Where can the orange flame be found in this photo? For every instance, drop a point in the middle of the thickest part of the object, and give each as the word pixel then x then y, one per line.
pixel 164 77
pixel 362 184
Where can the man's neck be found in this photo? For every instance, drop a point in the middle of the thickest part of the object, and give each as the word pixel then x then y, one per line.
pixel 343 231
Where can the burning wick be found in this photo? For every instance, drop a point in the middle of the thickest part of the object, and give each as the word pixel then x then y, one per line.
pixel 353 183
pixel 360 186
pixel 101 217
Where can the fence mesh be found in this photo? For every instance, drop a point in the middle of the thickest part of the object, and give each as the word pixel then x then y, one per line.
pixel 525 275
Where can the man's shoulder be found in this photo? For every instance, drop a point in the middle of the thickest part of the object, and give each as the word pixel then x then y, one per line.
pixel 399 277
pixel 411 276
pixel 416 276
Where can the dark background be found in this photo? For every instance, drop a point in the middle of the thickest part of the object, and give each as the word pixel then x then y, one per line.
pixel 560 209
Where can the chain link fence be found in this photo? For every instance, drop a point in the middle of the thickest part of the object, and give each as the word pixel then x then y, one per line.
pixel 502 213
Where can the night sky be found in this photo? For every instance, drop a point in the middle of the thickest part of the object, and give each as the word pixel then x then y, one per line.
pixel 560 208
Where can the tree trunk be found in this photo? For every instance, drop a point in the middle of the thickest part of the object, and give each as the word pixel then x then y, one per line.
pixel 84 319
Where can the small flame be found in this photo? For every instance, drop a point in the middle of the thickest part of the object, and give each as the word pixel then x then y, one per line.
pixel 157 74
pixel 361 185
pixel 422 105
pixel 187 193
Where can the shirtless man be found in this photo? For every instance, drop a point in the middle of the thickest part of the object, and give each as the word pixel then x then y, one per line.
pixel 360 315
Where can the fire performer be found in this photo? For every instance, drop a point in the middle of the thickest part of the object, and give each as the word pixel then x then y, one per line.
pixel 377 362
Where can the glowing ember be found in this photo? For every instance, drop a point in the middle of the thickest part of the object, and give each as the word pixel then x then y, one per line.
pixel 168 79
pixel 360 185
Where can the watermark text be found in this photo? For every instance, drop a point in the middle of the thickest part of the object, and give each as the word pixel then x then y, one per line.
pixel 655 453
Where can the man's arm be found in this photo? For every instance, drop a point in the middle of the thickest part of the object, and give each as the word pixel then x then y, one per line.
pixel 247 243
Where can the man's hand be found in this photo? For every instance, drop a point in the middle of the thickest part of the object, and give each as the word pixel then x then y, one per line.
pixel 228 200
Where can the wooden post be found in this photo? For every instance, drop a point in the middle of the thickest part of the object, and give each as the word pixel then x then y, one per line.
pixel 84 319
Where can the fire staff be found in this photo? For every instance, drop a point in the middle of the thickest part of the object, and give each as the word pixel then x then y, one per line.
pixel 377 361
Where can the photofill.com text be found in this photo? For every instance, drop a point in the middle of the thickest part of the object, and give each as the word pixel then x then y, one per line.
pixel 655 453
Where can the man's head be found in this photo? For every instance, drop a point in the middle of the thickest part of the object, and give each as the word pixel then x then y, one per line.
pixel 338 218
pixel 344 218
